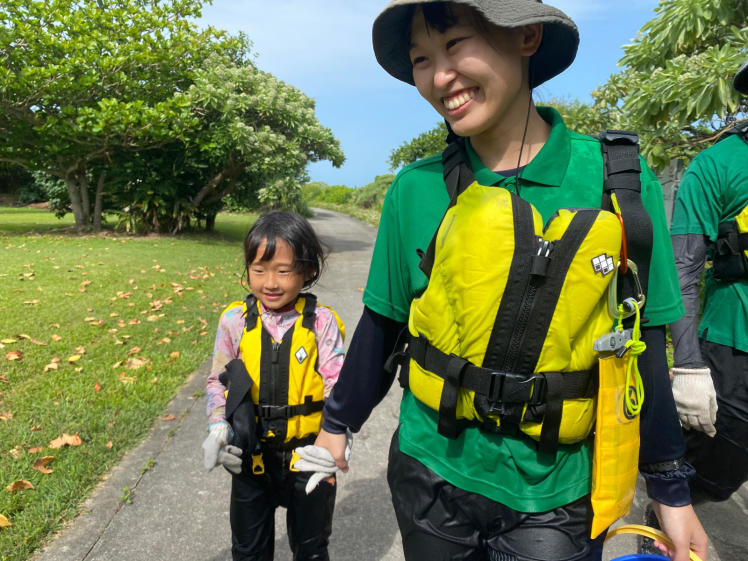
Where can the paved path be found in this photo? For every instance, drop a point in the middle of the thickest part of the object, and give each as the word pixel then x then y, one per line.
pixel 179 512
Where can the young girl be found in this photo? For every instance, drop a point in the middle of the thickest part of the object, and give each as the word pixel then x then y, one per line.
pixel 480 489
pixel 278 354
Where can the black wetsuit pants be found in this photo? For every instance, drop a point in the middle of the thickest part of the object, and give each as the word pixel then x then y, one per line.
pixel 440 522
pixel 254 499
pixel 721 462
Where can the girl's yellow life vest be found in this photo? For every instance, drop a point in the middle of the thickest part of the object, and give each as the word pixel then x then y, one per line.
pixel 518 303
pixel 287 389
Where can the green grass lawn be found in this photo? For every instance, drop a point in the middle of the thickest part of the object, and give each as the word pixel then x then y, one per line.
pixel 97 333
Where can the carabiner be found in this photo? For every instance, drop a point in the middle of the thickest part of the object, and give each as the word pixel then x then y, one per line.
pixel 628 303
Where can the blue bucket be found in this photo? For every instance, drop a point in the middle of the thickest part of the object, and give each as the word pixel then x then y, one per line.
pixel 640 557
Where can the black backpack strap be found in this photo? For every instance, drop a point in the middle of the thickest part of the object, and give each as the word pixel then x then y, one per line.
pixel 622 176
pixel 457 176
pixel 741 130
pixel 252 313
pixel 310 310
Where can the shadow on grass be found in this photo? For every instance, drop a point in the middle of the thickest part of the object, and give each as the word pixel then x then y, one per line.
pixel 29 221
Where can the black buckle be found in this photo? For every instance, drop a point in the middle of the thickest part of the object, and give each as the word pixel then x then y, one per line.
pixel 507 389
pixel 270 412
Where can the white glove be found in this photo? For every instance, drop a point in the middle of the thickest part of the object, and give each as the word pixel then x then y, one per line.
pixel 695 399
pixel 320 461
pixel 216 451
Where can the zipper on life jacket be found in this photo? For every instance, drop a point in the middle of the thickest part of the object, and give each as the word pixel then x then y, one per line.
pixel 538 269
pixel 275 368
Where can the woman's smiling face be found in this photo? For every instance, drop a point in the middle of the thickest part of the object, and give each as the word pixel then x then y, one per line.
pixel 473 81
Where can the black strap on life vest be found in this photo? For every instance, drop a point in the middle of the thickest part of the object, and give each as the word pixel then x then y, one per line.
pixel 728 258
pixel 622 176
pixel 273 410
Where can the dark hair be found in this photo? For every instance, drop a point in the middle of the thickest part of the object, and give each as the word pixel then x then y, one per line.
pixel 441 16
pixel 295 230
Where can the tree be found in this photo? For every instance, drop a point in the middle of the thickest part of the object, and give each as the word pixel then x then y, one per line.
pixel 675 86
pixel 81 82
pixel 425 144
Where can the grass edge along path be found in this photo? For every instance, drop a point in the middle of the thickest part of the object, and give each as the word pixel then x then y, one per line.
pixel 97 334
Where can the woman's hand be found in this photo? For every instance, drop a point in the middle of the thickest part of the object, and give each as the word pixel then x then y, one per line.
pixel 684 529
pixel 336 445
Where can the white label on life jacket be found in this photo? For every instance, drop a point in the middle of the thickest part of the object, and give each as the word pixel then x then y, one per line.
pixel 301 355
pixel 603 264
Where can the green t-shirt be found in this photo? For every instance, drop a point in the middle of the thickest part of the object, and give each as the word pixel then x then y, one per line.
pixel 715 189
pixel 567 172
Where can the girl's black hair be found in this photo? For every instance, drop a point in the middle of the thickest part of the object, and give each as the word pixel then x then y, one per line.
pixel 441 16
pixel 295 230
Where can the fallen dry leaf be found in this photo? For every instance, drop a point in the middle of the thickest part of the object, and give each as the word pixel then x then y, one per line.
pixel 51 366
pixel 19 485
pixel 6 415
pixel 56 337
pixel 133 363
pixel 169 417
pixel 35 449
pixel 80 350
pixel 4 522
pixel 32 302
pixel 66 440
pixel 74 358
pixel 174 354
pixel 14 355
pixel 17 452
pixel 9 341
pixel 134 351
pixel 109 444
pixel 40 464
pixel 31 339
pixel 126 379
pixel 97 387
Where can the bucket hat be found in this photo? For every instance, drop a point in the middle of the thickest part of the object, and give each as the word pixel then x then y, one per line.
pixel 740 82
pixel 391 32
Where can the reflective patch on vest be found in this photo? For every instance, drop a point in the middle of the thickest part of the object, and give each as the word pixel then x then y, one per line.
pixel 603 264
pixel 301 354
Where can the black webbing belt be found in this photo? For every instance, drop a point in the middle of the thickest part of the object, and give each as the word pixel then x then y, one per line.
pixel 549 388
pixel 270 412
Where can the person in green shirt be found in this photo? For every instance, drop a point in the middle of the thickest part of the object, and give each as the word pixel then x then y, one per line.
pixel 710 357
pixel 488 495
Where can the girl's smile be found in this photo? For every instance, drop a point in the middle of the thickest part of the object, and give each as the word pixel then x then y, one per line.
pixel 276 282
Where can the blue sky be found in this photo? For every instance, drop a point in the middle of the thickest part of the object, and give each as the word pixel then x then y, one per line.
pixel 323 47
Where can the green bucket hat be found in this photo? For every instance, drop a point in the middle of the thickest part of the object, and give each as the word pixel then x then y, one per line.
pixel 740 82
pixel 391 33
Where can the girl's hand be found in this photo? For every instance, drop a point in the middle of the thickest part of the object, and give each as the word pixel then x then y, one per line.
pixel 335 444
pixel 684 529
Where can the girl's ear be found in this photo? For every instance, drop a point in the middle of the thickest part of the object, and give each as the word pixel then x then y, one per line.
pixel 530 36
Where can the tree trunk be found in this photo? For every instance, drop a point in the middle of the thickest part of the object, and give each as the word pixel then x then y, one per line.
pixel 99 202
pixel 210 222
pixel 80 211
pixel 85 200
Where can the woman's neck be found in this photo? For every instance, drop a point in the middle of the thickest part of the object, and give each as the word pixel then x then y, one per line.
pixel 499 149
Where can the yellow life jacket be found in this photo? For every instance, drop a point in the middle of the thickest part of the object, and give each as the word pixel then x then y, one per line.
pixel 730 256
pixel 503 334
pixel 287 390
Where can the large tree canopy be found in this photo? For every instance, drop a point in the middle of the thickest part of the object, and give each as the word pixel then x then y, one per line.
pixel 136 109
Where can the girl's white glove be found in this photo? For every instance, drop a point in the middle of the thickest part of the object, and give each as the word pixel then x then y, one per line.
pixel 319 460
pixel 217 451
pixel 695 398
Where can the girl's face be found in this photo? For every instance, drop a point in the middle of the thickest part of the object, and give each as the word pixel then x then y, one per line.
pixel 478 85
pixel 275 282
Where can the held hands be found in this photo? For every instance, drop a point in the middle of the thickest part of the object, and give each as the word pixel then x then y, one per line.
pixel 217 451
pixel 318 458
pixel 695 399
pixel 684 529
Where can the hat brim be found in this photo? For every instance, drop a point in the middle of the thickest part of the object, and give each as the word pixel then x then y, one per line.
pixel 740 82
pixel 391 32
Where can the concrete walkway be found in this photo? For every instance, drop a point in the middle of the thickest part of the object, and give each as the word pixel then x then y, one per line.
pixel 179 512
